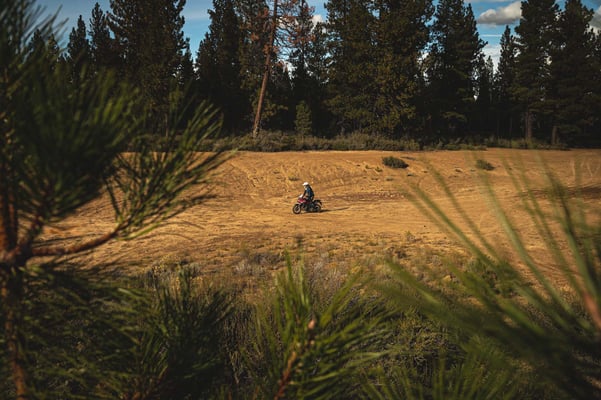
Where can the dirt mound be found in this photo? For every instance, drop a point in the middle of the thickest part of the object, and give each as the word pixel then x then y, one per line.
pixel 248 227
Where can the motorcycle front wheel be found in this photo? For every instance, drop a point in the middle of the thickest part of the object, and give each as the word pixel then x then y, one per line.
pixel 296 209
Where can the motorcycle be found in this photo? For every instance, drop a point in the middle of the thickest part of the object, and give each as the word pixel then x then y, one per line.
pixel 303 204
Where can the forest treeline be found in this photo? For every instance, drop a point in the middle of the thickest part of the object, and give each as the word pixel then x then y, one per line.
pixel 401 70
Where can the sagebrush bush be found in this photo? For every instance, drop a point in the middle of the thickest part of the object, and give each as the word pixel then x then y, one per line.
pixel 394 162
pixel 270 141
pixel 485 165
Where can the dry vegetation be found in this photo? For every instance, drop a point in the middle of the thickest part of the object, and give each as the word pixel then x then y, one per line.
pixel 243 233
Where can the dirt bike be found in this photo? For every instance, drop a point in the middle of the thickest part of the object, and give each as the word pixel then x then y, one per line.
pixel 303 204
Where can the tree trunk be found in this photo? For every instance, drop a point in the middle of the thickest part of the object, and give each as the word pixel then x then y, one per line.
pixel 8 215
pixel 267 68
pixel 10 293
pixel 528 127
pixel 554 135
pixel 11 279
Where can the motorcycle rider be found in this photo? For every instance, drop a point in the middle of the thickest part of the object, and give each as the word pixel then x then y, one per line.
pixel 308 194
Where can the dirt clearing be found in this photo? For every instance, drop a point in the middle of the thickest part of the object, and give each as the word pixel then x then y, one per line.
pixel 248 226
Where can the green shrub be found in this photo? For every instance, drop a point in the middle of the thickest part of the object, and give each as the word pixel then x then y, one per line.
pixel 394 162
pixel 485 165
pixel 303 348
pixel 302 140
pixel 180 353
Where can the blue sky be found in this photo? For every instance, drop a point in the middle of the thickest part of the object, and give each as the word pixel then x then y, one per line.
pixel 492 16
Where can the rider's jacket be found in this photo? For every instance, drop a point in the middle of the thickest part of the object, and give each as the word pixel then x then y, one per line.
pixel 308 193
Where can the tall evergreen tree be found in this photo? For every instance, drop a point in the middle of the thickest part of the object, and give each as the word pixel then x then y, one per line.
pixel 317 68
pixel 102 46
pixel 43 44
pixel 533 38
pixel 572 70
pixel 253 16
pixel 280 111
pixel 504 81
pixel 186 73
pixel 305 86
pixel 308 59
pixel 269 52
pixel 596 89
pixel 300 40
pixel 452 62
pixel 150 38
pixel 480 120
pixel 351 29
pixel 218 65
pixel 403 34
pixel 281 22
pixel 187 86
pixel 78 49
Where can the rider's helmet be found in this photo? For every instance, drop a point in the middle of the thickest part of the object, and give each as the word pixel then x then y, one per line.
pixel 306 184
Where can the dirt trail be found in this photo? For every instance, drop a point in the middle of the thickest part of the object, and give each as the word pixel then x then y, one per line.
pixel 249 224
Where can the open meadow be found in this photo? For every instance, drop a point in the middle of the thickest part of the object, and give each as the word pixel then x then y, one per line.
pixel 244 231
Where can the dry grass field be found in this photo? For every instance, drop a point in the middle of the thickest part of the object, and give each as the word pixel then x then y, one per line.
pixel 243 232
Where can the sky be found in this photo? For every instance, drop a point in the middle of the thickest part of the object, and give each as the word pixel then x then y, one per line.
pixel 492 16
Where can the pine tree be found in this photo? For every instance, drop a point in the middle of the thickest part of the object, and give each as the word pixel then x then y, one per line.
pixel 253 19
pixel 480 120
pixel 150 39
pixel 317 68
pixel 102 46
pixel 61 147
pixel 308 58
pixel 504 81
pixel 300 40
pixel 595 140
pixel 351 83
pixel 218 65
pixel 280 113
pixel 186 73
pixel 269 52
pixel 306 87
pixel 533 39
pixel 403 34
pixel 78 49
pixel 43 44
pixel 452 63
pixel 280 24
pixel 572 70
pixel 187 85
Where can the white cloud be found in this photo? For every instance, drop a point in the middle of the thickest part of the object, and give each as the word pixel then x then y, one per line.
pixel 494 51
pixel 596 21
pixel 317 18
pixel 502 15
